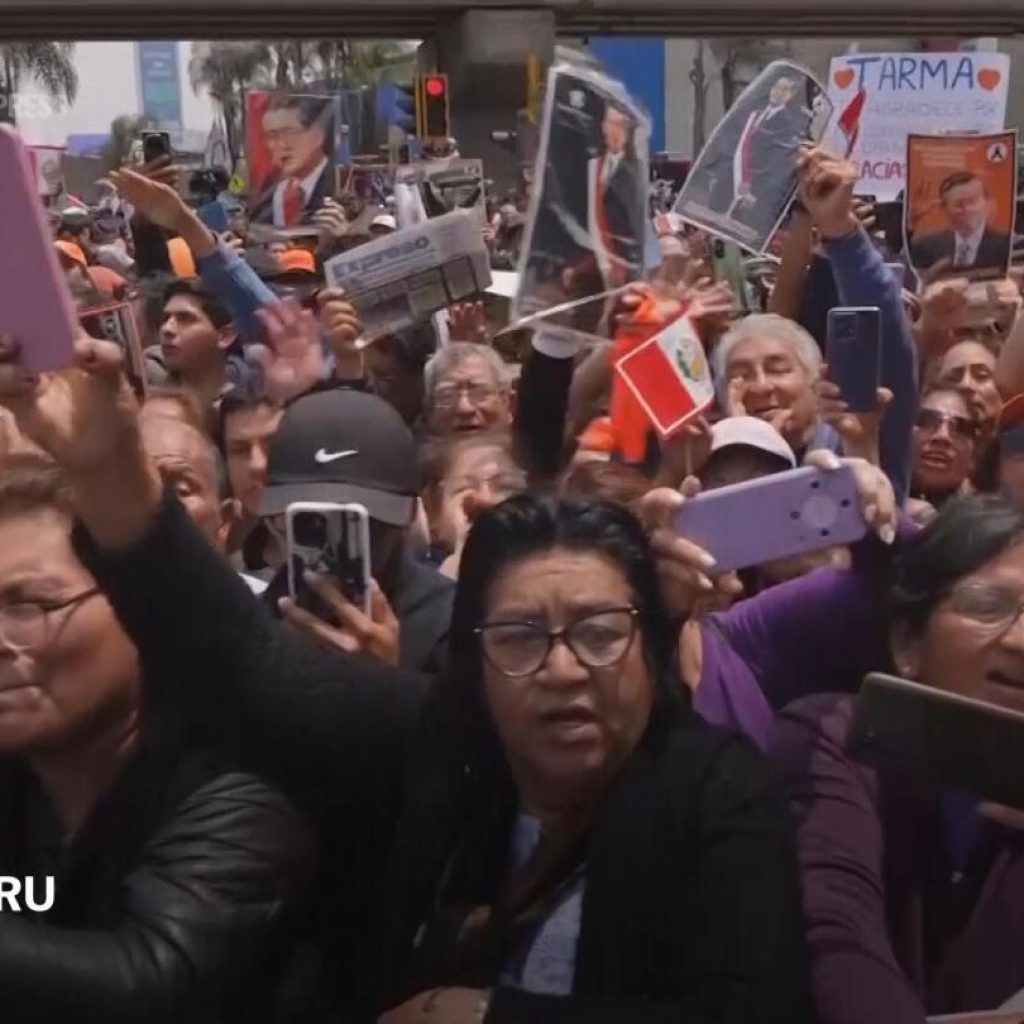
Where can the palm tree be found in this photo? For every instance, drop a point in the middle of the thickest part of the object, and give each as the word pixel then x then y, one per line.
pixel 349 64
pixel 225 70
pixel 50 65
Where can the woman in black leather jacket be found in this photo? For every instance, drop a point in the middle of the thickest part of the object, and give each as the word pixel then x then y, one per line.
pixel 173 876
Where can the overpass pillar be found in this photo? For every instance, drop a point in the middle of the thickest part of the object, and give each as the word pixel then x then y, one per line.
pixel 485 54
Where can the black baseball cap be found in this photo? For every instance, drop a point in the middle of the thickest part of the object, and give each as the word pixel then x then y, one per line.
pixel 343 446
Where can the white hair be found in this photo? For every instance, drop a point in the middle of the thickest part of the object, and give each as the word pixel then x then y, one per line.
pixel 764 325
pixel 454 354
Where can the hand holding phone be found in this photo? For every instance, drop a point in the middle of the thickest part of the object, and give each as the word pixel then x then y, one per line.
pixel 854 352
pixel 36 308
pixel 791 513
pixel 155 146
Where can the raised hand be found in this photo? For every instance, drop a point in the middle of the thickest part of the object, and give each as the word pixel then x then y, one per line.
pixel 292 358
pixel 826 189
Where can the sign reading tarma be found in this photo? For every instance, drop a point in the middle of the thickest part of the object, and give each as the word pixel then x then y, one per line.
pixel 897 94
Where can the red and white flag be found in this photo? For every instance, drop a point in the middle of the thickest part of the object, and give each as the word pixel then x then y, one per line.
pixel 849 120
pixel 670 376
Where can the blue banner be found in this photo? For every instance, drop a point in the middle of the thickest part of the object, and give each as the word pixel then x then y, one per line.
pixel 160 85
pixel 639 63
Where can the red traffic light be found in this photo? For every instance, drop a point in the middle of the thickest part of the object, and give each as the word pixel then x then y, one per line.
pixel 435 87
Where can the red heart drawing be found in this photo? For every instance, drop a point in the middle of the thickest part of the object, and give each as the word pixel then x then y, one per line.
pixel 845 77
pixel 989 78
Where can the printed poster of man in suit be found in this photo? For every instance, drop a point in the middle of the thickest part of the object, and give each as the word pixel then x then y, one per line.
pixel 744 180
pixel 586 236
pixel 291 144
pixel 962 201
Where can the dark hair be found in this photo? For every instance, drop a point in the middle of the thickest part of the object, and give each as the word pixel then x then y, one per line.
pixel 969 532
pixel 309 108
pixel 230 403
pixel 211 306
pixel 957 179
pixel 30 483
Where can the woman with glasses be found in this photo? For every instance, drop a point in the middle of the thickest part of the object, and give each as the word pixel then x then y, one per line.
pixel 913 893
pixel 153 877
pixel 945 446
pixel 578 845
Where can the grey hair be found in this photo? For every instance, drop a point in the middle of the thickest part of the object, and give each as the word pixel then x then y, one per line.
pixel 764 325
pixel 454 354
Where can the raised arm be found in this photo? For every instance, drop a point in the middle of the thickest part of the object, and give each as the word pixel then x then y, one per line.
pixel 863 279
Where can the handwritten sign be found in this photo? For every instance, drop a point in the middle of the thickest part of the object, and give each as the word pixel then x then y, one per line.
pixel 921 93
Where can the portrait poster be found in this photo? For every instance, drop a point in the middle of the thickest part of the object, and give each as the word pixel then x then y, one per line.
pixel 882 98
pixel 291 139
pixel 585 234
pixel 960 205
pixel 744 180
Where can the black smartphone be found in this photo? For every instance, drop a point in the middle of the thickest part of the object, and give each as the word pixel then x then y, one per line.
pixel 941 737
pixel 155 145
pixel 853 348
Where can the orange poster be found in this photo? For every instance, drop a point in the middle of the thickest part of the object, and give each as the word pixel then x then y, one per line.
pixel 959 205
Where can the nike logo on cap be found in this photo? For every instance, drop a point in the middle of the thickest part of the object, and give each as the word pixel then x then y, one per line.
pixel 323 456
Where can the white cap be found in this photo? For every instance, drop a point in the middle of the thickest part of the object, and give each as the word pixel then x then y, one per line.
pixel 384 220
pixel 752 432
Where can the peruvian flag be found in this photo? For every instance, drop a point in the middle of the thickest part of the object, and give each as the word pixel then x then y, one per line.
pixel 669 376
pixel 849 119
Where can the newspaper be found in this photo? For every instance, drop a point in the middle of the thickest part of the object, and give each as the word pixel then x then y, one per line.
pixel 403 278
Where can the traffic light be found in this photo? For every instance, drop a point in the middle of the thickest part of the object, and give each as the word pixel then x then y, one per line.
pixel 407 113
pixel 434 107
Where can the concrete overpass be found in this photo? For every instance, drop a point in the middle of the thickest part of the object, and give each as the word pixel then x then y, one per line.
pixel 210 19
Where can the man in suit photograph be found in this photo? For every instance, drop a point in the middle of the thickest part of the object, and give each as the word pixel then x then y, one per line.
pixel 614 219
pixel 300 138
pixel 971 243
pixel 750 166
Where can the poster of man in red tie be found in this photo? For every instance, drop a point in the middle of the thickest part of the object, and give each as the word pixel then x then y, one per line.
pixel 960 204
pixel 290 145
pixel 586 229
pixel 744 180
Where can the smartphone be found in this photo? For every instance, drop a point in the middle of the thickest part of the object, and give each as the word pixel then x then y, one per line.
pixel 155 145
pixel 118 322
pixel 36 306
pixel 853 349
pixel 214 216
pixel 332 539
pixel 941 737
pixel 795 512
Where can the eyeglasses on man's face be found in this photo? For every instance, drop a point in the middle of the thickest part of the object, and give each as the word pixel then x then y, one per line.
pixel 521 648
pixel 446 396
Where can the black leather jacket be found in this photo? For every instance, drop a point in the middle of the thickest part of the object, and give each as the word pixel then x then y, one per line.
pixel 173 904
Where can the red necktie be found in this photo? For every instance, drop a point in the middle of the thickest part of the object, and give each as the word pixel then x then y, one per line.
pixel 751 128
pixel 294 203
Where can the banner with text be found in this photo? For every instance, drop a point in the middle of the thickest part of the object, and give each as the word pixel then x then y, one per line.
pixel 882 98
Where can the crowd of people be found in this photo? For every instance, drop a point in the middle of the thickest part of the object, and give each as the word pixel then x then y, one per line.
pixel 558 767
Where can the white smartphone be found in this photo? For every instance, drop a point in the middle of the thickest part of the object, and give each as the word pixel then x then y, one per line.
pixel 333 539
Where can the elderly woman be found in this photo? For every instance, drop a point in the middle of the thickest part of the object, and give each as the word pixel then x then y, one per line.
pixel 767 366
pixel 945 445
pixel 170 872
pixel 914 893
pixel 578 845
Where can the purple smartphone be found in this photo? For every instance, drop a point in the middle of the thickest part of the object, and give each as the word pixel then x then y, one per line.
pixel 35 304
pixel 791 513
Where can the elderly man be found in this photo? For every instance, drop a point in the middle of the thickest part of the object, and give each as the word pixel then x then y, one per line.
pixel 468 389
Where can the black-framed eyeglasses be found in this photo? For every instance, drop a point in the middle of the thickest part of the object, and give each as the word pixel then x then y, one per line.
pixel 25 625
pixel 597 640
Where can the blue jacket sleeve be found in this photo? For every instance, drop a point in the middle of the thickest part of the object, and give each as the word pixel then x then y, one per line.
pixel 238 286
pixel 863 279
